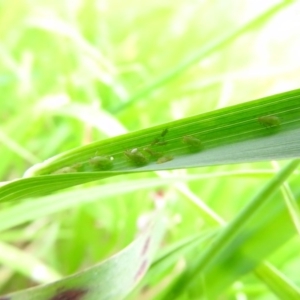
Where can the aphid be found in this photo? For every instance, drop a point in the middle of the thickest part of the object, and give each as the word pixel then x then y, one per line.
pixel 164 159
pixel 65 170
pixel 161 143
pixel 136 157
pixel 193 143
pixel 152 152
pixel 269 121
pixel 158 142
pixel 102 162
pixel 164 132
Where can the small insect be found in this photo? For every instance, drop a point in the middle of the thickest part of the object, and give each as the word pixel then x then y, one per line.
pixel 164 132
pixel 269 121
pixel 136 157
pixel 164 159
pixel 160 141
pixel 65 170
pixel 152 152
pixel 193 143
pixel 102 162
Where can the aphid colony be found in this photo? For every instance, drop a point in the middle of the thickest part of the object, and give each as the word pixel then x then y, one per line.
pixel 155 150
pixel 141 157
pixel 136 156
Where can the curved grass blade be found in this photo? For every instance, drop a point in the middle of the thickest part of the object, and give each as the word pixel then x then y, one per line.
pixel 46 205
pixel 109 280
pixel 234 134
pixel 238 248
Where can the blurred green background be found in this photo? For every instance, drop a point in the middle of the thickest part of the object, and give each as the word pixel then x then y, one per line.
pixel 74 72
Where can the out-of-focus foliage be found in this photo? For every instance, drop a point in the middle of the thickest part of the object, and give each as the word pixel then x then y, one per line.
pixel 73 72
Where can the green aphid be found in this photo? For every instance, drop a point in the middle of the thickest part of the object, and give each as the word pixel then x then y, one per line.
pixel 136 157
pixel 269 121
pixel 164 159
pixel 65 170
pixel 161 143
pixel 102 162
pixel 164 132
pixel 193 143
pixel 153 153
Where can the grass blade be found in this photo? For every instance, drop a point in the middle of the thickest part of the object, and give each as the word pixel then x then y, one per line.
pixel 230 135
pixel 112 279
pixel 236 240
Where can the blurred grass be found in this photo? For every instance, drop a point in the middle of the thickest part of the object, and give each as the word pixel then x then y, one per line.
pixel 67 67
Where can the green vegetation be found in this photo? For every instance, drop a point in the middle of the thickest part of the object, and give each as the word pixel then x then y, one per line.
pixel 97 175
